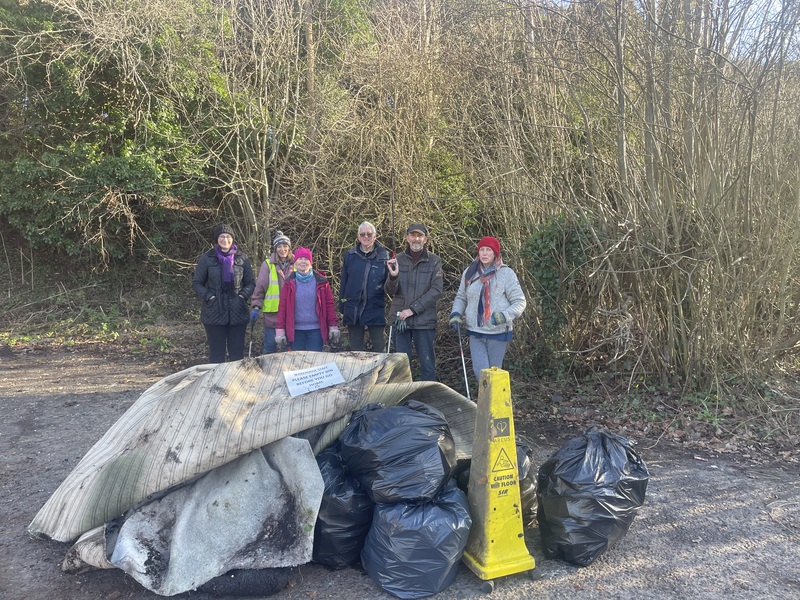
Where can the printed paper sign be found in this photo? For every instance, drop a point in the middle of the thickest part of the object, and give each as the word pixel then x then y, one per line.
pixel 313 378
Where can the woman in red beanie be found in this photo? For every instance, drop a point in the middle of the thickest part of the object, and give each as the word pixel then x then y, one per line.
pixel 489 298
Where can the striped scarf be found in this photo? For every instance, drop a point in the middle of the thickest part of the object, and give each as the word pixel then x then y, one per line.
pixel 485 300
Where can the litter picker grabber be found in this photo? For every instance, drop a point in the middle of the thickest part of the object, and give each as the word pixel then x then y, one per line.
pixel 250 351
pixel 391 196
pixel 463 361
pixel 391 328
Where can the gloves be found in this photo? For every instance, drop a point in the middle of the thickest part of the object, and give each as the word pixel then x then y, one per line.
pixel 402 326
pixel 333 334
pixel 498 318
pixel 254 314
pixel 455 320
pixel 280 337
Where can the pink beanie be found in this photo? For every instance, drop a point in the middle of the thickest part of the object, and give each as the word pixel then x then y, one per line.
pixel 488 242
pixel 303 253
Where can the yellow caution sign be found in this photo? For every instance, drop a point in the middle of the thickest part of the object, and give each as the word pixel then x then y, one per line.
pixel 496 545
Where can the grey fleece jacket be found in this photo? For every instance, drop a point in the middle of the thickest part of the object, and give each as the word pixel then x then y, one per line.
pixel 507 297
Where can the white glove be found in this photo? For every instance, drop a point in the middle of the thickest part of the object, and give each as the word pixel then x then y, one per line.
pixel 280 337
pixel 333 334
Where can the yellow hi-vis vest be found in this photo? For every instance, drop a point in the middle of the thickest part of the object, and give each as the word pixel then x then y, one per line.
pixel 273 294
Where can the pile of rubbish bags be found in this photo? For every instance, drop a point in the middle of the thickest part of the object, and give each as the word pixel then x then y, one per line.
pixel 213 469
pixel 391 502
pixel 220 470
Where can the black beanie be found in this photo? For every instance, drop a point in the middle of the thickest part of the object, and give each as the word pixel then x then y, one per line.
pixel 220 229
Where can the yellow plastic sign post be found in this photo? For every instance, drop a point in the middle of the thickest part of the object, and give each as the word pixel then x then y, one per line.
pixel 496 545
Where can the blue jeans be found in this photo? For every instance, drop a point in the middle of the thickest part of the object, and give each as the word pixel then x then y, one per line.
pixel 221 337
pixel 270 346
pixel 422 340
pixel 310 339
pixel 485 353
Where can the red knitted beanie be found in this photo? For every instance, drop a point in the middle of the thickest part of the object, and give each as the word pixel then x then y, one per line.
pixel 490 242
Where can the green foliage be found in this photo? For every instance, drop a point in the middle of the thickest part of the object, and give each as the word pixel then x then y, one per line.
pixel 346 21
pixel 452 185
pixel 52 303
pixel 125 126
pixel 65 317
pixel 533 357
pixel 556 254
pixel 83 170
pixel 77 198
pixel 156 342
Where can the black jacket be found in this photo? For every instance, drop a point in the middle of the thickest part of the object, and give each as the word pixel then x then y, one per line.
pixel 223 308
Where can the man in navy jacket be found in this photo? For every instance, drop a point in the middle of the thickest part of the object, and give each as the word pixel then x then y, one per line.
pixel 362 300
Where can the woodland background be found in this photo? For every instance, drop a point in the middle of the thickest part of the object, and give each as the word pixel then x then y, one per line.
pixel 639 161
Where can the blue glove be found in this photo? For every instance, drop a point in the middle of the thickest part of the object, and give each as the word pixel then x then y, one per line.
pixel 254 314
pixel 402 326
pixel 455 320
pixel 498 318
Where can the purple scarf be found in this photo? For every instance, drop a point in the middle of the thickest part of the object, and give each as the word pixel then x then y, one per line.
pixel 226 260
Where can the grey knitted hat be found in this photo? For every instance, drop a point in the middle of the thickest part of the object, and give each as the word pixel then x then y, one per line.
pixel 280 238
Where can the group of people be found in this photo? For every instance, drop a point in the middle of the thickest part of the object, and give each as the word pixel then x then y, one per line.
pixel 298 311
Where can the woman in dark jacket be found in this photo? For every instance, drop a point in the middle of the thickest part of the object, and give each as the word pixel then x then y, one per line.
pixel 223 281
pixel 362 300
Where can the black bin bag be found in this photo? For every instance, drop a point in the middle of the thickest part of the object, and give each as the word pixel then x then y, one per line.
pixel 589 492
pixel 345 513
pixel 402 453
pixel 527 484
pixel 413 550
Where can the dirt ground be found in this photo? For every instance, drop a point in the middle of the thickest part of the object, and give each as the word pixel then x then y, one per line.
pixel 711 527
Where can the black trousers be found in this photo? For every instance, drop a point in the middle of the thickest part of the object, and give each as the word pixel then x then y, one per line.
pixel 222 338
pixel 356 335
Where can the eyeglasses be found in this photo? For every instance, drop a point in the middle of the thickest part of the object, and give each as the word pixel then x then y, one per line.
pixel 366 234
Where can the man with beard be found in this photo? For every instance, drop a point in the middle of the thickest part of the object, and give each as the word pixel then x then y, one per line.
pixel 415 285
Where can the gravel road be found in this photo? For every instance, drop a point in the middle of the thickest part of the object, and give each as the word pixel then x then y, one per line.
pixel 711 527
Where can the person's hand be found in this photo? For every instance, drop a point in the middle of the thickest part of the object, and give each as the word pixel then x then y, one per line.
pixel 334 334
pixel 280 338
pixel 391 264
pixel 498 318
pixel 455 320
pixel 402 326
pixel 210 299
pixel 254 314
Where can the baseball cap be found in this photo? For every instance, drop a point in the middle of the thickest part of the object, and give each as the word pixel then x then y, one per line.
pixel 417 227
